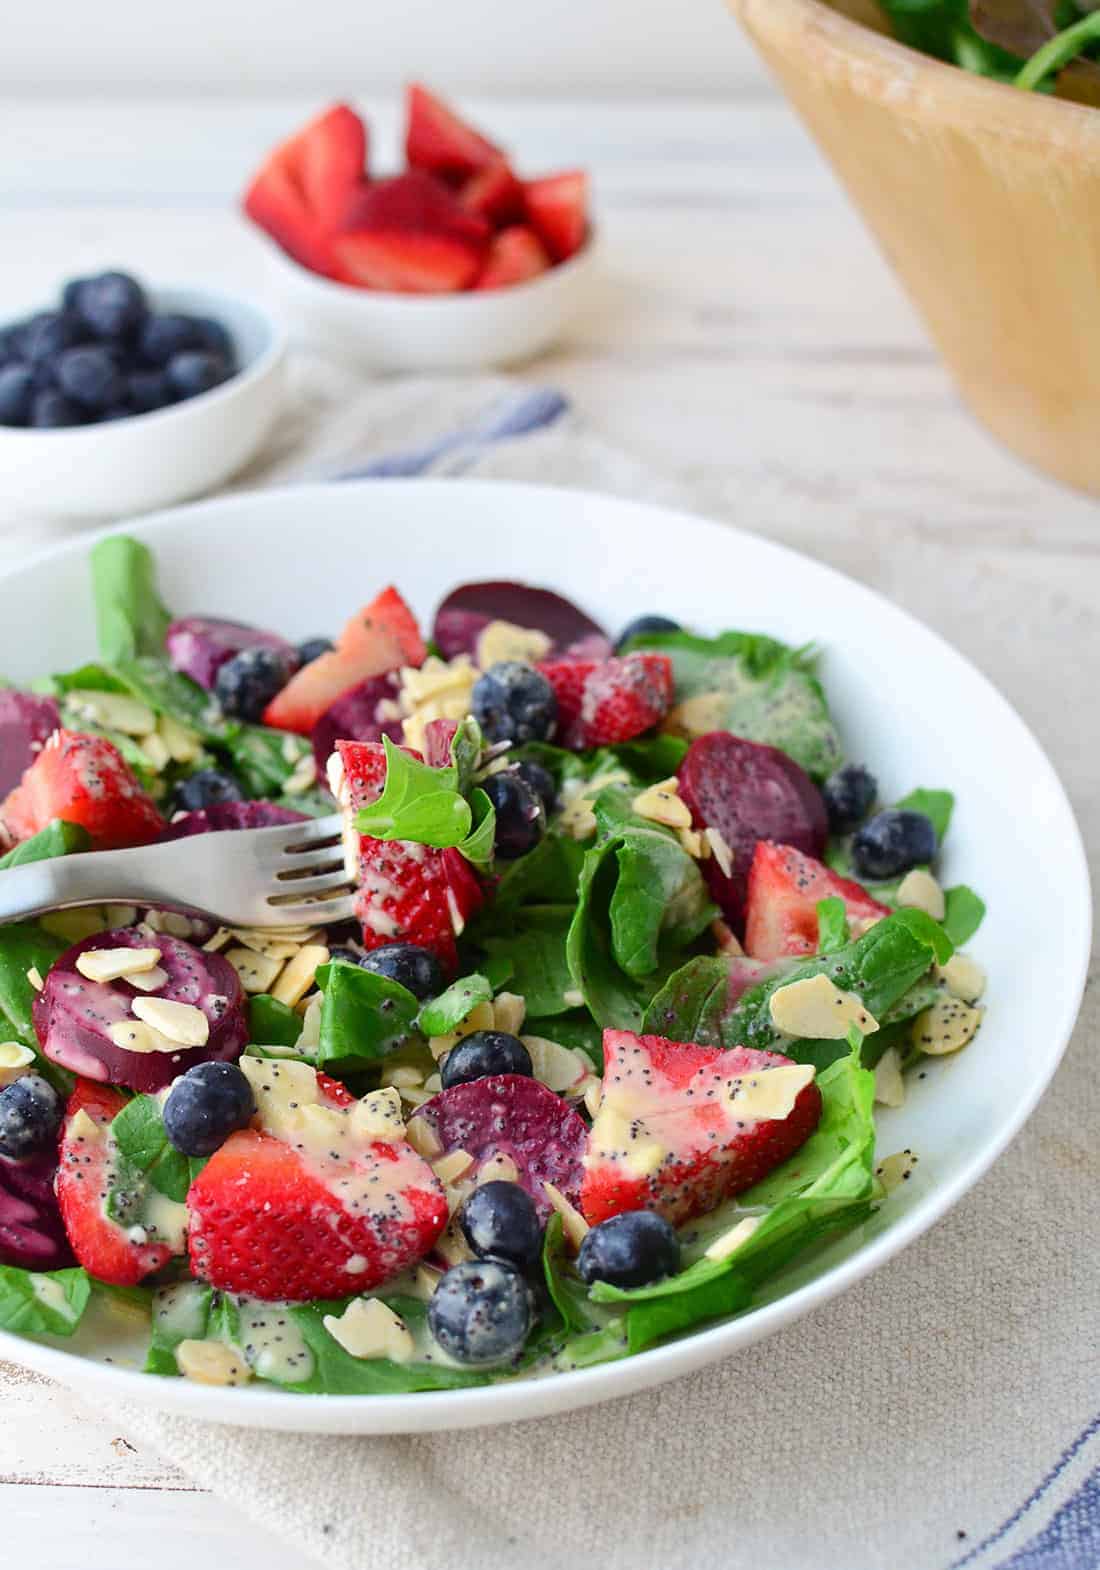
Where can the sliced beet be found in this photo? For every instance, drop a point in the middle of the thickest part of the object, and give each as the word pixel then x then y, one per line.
pixel 469 609
pixel 32 1235
pixel 199 645
pixel 26 721
pixel 231 815
pixel 511 1115
pixel 73 1016
pixel 748 792
pixel 356 716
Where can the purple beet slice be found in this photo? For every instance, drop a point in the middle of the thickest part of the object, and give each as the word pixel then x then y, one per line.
pixel 199 645
pixel 231 815
pixel 748 792
pixel 73 1016
pixel 469 609
pixel 511 1115
pixel 358 715
pixel 26 721
pixel 32 1235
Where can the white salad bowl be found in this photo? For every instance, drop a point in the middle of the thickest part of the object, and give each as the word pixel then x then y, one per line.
pixel 466 331
pixel 150 460
pixel 905 702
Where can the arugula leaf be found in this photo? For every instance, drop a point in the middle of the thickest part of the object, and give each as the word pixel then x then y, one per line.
pixel 363 1017
pixel 424 804
pixel 442 1014
pixel 937 806
pixel 832 925
pixel 138 1132
pixel 47 1303
pixel 27 946
pixel 759 688
pixel 538 964
pixel 964 914
pixel 271 1023
pixel 130 618
pixel 56 839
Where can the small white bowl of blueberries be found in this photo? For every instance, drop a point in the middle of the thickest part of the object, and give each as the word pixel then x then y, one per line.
pixel 120 398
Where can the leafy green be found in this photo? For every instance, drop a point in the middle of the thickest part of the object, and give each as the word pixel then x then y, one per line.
pixel 26 946
pixel 138 1132
pixel 180 1313
pixel 336 1372
pixel 271 1023
pixel 56 839
pixel 832 925
pixel 964 913
pixel 575 1029
pixel 537 960
pixel 130 618
pixel 943 28
pixel 1059 51
pixel 440 1016
pixel 937 806
pixel 761 689
pixel 549 874
pixel 265 759
pixel 47 1303
pixel 650 759
pixel 363 1017
pixel 425 804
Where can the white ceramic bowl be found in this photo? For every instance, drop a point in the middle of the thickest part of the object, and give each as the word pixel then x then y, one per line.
pixel 151 460
pixel 466 331
pixel 907 703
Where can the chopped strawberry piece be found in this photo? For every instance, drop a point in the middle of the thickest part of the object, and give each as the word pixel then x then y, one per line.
pixel 622 698
pixel 515 255
pixel 379 638
pixel 302 190
pixel 784 888
pixel 494 194
pixel 274 201
pixel 557 208
pixel 84 780
pixel 411 235
pixel 567 677
pixel 104 1247
pixel 680 1127
pixel 438 141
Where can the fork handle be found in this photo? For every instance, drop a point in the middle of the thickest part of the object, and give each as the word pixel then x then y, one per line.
pixel 94 878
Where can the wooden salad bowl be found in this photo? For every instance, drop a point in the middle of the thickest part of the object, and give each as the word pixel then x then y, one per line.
pixel 986 201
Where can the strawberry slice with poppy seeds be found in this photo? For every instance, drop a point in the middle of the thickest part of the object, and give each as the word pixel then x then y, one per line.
pixel 439 141
pixel 84 780
pixel 680 1127
pixel 607 701
pixel 784 888
pixel 318 1199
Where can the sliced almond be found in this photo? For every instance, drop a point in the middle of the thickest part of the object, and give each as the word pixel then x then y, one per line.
pixel 816 1007
pixel 889 1080
pixel 184 746
pixel 963 977
pixel 112 710
pixel 156 751
pixel 424 1140
pixel 662 804
pixel 300 974
pixel 451 1245
pixel 455 1164
pixel 368 1328
pixel 212 1363
pixel 257 973
pixel 134 1035
pixel 34 976
pixel 723 852
pixel 404 1077
pixel 181 1023
pixel 149 980
pixel 918 890
pixel 558 1068
pixel 217 941
pixel 15 1060
pixel 573 999
pixel 574 1225
pixel 509 1012
pixel 81 1127
pixel 945 1027
pixel 731 1241
pixel 112 964
pixel 696 716
pixel 498 1169
pixel 593 1094
pixel 378 1116
pixel 503 640
pixel 694 843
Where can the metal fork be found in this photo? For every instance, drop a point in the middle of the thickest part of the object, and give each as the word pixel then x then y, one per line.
pixel 293 875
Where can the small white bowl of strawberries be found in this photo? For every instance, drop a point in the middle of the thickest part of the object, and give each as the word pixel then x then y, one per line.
pixel 454 264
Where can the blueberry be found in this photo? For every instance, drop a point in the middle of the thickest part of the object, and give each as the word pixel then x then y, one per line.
pixel 642 625
pixel 849 795
pixel 163 336
pixel 51 409
pixel 11 342
pixel 629 1250
pixel 70 294
pixel 148 390
pixel 246 684
pixel 206 788
pixel 16 390
pixel 119 411
pixel 541 782
pixel 414 967
pixel 483 1053
pixel 90 377
pixel 49 334
pixel 195 372
pixel 481 1312
pixel 514 702
pixel 210 1102
pixel 111 305
pixel 214 338
pixel 892 842
pixel 500 1219
pixel 30 1116
pixel 521 817
pixel 313 648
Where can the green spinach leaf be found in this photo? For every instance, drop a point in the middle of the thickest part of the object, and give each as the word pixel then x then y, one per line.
pixel 47 1303
pixel 130 618
pixel 444 1013
pixel 336 1372
pixel 964 914
pixel 364 1017
pixel 56 839
pixel 138 1133
pixel 26 946
pixel 271 1023
pixel 832 925
pixel 536 959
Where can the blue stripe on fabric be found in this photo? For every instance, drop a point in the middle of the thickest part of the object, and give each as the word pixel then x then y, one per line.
pixel 516 414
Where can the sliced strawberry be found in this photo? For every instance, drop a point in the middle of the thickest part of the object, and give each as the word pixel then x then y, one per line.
pixel 312 1202
pixel 301 192
pixel 621 699
pixel 412 236
pixel 680 1128
pixel 494 194
pixel 379 638
pixel 567 677
pixel 84 780
pixel 407 892
pixel 26 722
pixel 106 1249
pixel 781 909
pixel 438 141
pixel 557 208
pixel 515 255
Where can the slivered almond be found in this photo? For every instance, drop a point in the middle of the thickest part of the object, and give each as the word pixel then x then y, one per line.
pixel 661 803
pixel 368 1329
pixel 963 977
pixel 918 890
pixel 212 1363
pixel 889 1080
pixel 503 640
pixel 217 941
pixel 149 980
pixel 894 1170
pixel 181 1023
pixel 423 1139
pixel 256 971
pixel 112 964
pixel 34 976
pixel 509 1011
pixel 455 1164
pixel 15 1060
pixel 574 1225
pixel 945 1027
pixel 723 853
pixel 156 750
pixel 816 1007
pixel 300 974
pixel 498 1169
pixel 134 1035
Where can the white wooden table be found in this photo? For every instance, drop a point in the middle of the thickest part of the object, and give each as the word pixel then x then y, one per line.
pixel 747 336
